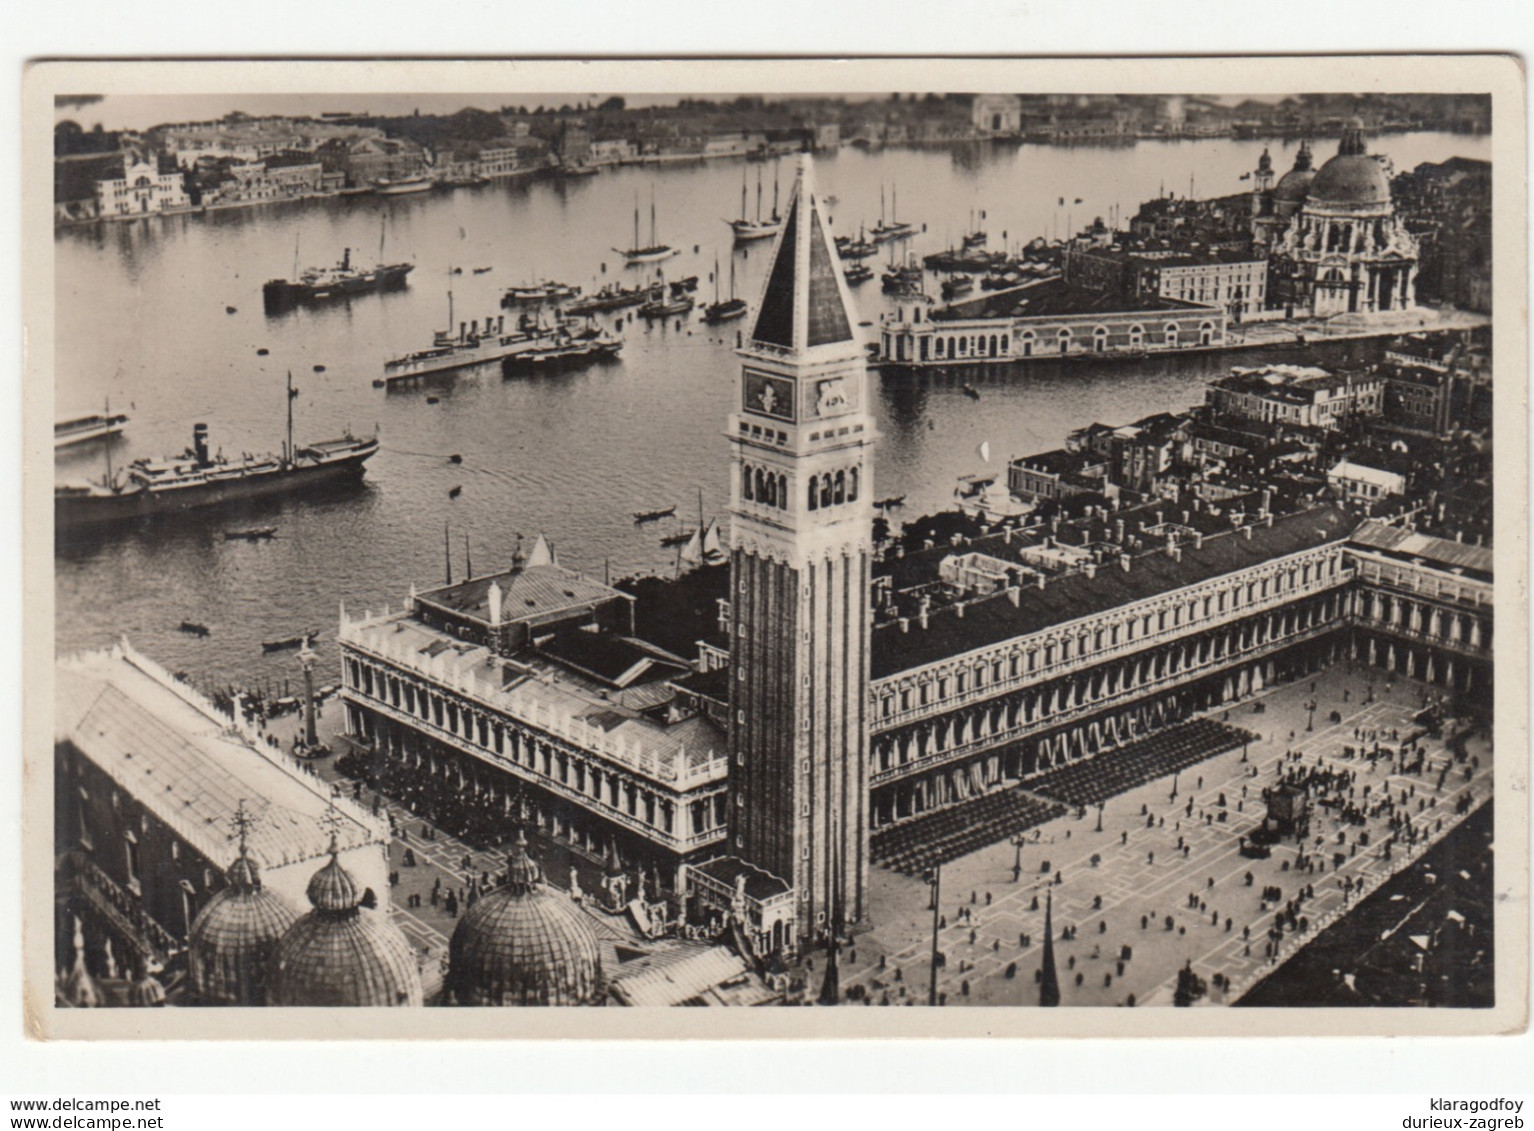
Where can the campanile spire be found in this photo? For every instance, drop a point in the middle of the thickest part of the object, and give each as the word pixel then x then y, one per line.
pixel 802 519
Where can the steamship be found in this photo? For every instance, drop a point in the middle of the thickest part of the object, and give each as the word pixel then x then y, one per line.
pixel 199 478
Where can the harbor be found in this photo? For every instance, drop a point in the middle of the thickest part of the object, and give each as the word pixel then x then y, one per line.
pixel 563 448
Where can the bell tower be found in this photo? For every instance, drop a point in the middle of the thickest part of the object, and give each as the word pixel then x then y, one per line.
pixel 801 442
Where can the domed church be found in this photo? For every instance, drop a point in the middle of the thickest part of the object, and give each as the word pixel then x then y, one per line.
pixel 1335 242
pixel 523 944
pixel 342 953
pixel 234 938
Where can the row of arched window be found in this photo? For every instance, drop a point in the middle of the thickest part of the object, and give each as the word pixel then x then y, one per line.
pixel 1040 655
pixel 832 489
pixel 762 485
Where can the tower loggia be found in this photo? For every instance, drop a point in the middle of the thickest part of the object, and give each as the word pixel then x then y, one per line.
pixel 801 442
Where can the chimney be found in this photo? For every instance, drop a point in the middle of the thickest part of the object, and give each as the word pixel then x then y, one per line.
pixel 900 550
pixel 1171 545
pixel 1267 499
pixel 905 624
pixel 495 603
pixel 921 617
pixel 1090 569
pixel 1124 562
pixel 1185 517
pixel 959 609
pixel 1177 553
pixel 1140 525
pixel 956 540
pixel 1198 540
pixel 1246 532
pixel 1267 520
pixel 1041 581
pixel 1159 518
pixel 1014 594
pixel 1006 536
pixel 927 543
pixel 1118 531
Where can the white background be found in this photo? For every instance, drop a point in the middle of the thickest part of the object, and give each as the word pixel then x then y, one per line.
pixel 276 28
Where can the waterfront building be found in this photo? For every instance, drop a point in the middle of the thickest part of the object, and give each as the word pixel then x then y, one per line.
pixel 1233 278
pixel 151 785
pixel 611 151
pixel 1297 396
pixel 262 181
pixel 367 160
pixel 1058 474
pixel 499 159
pixel 997 115
pixel 1344 251
pixel 1049 318
pixel 141 188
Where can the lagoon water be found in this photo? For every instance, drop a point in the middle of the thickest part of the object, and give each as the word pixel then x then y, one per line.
pixel 141 320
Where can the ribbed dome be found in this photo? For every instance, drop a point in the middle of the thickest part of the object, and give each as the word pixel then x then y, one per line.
pixel 343 954
pixel 332 889
pixel 234 938
pixel 1294 185
pixel 525 945
pixel 1350 180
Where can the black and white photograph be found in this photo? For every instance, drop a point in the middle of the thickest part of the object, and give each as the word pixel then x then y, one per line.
pixel 725 537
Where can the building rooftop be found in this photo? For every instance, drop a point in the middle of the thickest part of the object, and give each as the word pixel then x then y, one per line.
pixel 1399 542
pixel 192 768
pixel 1075 595
pixel 676 614
pixel 688 973
pixel 534 592
pixel 1054 298
pixel 613 660
pixel 761 885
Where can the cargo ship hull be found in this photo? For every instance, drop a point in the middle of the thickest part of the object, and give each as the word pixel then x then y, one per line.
pixel 283 292
pixel 225 486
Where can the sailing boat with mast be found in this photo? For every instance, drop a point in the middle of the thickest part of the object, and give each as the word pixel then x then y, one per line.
pixel 746 228
pixel 732 307
pixel 655 250
pixel 895 229
pixel 320 283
